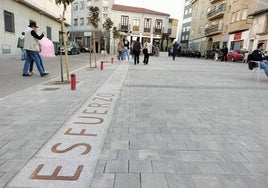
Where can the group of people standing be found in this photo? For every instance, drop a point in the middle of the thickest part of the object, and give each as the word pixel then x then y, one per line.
pixel 136 47
pixel 28 42
pixel 221 53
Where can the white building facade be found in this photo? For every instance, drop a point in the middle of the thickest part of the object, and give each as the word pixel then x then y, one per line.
pixel 16 15
pixel 143 23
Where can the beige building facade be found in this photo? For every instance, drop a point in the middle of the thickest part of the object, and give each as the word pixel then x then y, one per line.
pixel 233 23
pixel 16 15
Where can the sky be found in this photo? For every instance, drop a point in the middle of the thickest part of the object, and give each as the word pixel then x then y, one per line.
pixel 172 7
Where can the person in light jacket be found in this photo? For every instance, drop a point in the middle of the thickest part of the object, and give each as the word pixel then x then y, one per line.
pixel 20 45
pixel 31 45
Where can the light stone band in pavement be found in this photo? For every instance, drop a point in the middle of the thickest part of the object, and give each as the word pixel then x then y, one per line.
pixel 184 123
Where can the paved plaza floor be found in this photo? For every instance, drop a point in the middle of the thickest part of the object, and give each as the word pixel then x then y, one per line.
pixel 190 123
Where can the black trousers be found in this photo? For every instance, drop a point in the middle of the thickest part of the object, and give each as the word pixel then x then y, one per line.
pixel 146 56
pixel 136 57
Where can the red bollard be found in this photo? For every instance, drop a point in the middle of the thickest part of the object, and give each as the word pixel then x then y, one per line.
pixel 73 82
pixel 101 65
pixel 112 60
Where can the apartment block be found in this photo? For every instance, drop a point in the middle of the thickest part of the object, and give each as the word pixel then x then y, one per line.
pixel 16 15
pixel 238 24
pixel 199 24
pixel 186 24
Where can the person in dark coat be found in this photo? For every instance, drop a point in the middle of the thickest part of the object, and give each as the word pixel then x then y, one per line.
pixel 258 55
pixel 175 50
pixel 224 53
pixel 136 47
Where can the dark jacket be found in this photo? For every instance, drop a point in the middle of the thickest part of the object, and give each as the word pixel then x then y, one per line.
pixel 136 46
pixel 257 55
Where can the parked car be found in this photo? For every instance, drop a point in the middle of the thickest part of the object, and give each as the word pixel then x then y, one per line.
pixel 210 54
pixel 188 52
pixel 235 55
pixel 72 48
pixel 84 48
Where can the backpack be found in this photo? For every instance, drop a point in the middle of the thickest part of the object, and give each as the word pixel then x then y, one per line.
pixel 251 63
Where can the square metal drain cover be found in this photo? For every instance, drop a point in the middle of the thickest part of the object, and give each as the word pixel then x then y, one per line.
pixel 50 89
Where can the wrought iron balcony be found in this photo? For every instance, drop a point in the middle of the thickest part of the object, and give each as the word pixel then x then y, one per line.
pixel 213 29
pixel 217 12
pixel 124 28
pixel 158 30
pixel 147 30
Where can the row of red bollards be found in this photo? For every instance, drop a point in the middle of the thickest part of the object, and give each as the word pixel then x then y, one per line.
pixel 73 76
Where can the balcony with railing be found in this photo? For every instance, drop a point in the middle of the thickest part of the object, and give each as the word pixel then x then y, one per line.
pixel 217 12
pixel 213 29
pixel 124 28
pixel 147 30
pixel 158 30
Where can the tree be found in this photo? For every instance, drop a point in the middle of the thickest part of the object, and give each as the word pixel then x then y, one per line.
pixel 107 25
pixel 116 35
pixel 63 31
pixel 94 19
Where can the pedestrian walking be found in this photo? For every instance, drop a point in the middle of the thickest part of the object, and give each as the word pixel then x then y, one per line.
pixel 224 53
pixel 146 51
pixel 32 63
pixel 120 49
pixel 156 50
pixel 126 48
pixel 20 45
pixel 175 49
pixel 136 47
pixel 217 53
pixel 31 45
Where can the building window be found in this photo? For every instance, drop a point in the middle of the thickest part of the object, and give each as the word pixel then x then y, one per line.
pixel 190 10
pixel 158 24
pixel 238 14
pixel 105 8
pixel 88 21
pixel 49 36
pixel 75 6
pixel 82 5
pixel 81 21
pixel 266 24
pixel 136 24
pixel 244 14
pixel 124 23
pixel 9 22
pixel 233 17
pixel 147 24
pixel 75 22
pixel 105 15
